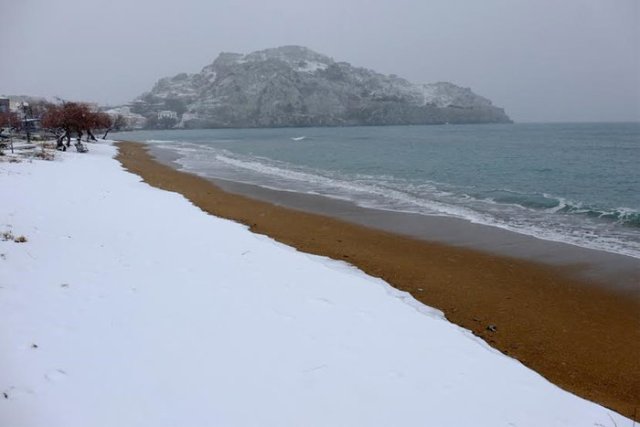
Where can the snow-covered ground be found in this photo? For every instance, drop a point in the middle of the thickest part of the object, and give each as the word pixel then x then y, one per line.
pixel 129 306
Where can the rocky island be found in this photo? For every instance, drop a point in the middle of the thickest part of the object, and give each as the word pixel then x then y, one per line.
pixel 295 86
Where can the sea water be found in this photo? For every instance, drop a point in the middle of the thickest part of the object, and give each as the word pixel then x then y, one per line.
pixel 573 183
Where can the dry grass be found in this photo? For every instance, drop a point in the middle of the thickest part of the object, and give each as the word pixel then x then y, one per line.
pixel 44 155
pixel 8 236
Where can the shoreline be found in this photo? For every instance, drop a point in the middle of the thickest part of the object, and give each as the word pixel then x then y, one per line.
pixel 615 272
pixel 585 339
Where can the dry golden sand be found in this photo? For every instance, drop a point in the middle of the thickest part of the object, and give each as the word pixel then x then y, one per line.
pixel 579 336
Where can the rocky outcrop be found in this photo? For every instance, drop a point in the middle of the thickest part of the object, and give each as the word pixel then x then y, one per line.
pixel 294 86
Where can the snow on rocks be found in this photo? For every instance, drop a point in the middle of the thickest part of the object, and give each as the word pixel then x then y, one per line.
pixel 129 306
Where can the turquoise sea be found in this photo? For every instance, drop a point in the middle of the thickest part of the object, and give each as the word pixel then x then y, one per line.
pixel 574 183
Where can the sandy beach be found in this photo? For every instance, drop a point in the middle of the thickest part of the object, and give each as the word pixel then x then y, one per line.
pixel 573 329
pixel 125 304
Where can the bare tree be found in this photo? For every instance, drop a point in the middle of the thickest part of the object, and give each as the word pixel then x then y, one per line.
pixel 117 123
pixel 9 120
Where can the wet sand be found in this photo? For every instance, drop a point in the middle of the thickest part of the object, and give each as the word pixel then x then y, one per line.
pixel 615 272
pixel 571 319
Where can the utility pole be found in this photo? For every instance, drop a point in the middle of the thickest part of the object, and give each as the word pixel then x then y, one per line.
pixel 26 110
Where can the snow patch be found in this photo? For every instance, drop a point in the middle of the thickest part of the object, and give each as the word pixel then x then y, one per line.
pixel 130 306
pixel 310 66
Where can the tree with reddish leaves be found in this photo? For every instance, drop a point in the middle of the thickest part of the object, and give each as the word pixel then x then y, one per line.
pixel 97 120
pixel 58 123
pixel 9 120
pixel 73 117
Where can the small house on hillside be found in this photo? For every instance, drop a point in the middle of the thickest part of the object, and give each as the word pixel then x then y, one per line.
pixel 167 114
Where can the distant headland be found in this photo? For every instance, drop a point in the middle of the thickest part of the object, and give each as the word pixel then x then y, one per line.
pixel 295 86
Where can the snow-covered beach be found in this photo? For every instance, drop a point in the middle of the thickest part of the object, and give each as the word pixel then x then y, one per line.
pixel 128 305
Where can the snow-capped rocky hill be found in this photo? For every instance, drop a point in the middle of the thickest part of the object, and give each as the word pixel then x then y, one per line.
pixel 295 86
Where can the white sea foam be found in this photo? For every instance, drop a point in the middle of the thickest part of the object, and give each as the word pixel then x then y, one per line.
pixel 390 193
pixel 160 141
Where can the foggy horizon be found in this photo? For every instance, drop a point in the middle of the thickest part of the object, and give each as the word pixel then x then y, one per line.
pixel 541 61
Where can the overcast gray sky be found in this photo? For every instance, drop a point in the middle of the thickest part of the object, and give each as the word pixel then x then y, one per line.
pixel 542 60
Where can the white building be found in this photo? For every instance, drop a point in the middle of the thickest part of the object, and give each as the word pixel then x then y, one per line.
pixel 167 114
pixel 134 121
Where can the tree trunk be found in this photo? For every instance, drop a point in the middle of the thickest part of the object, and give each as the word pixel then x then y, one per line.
pixel 106 133
pixel 60 140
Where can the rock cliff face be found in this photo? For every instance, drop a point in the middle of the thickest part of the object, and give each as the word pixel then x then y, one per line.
pixel 294 86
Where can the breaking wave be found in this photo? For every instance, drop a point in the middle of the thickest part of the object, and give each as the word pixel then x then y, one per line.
pixel 536 214
pixel 622 215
